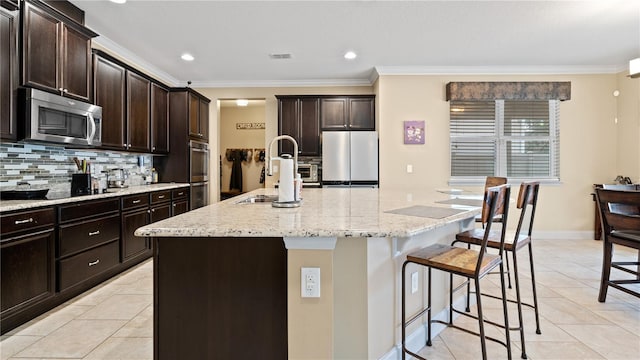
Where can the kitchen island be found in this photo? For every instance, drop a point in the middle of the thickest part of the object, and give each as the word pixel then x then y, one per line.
pixel 227 277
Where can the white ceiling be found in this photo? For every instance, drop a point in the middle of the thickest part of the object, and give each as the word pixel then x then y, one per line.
pixel 232 40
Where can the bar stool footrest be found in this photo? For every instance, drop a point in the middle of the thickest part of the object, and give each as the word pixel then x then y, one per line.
pixel 471 331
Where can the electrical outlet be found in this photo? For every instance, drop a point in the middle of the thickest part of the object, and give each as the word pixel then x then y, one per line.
pixel 414 282
pixel 310 282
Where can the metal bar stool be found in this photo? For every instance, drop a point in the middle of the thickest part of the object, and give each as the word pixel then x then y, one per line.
pixel 527 201
pixel 468 263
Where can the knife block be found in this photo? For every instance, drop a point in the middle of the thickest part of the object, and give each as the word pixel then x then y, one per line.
pixel 80 184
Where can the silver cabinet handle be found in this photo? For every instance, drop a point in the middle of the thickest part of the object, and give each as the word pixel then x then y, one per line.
pixel 153 210
pixel 18 222
pixel 97 232
pixel 136 201
pixel 174 205
pixel 94 262
pixel 160 196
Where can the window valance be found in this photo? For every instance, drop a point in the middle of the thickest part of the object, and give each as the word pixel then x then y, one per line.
pixel 481 91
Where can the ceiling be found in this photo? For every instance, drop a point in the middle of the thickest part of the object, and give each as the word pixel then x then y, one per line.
pixel 231 40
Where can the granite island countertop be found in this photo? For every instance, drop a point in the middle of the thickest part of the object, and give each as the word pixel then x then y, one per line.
pixel 325 212
pixel 58 198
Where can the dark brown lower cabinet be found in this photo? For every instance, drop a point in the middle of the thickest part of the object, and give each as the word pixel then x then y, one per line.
pixel 133 246
pixel 220 298
pixel 27 276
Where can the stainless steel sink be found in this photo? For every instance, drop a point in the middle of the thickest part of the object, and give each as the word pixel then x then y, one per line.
pixel 259 199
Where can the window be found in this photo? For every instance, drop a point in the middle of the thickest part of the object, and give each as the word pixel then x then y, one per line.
pixel 511 138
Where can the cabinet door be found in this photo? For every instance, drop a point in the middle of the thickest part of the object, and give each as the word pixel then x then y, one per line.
pixel 160 212
pixel 361 114
pixel 203 120
pixel 8 73
pixel 333 113
pixel 309 136
pixel 194 108
pixel 27 273
pixel 76 62
pixel 132 245
pixel 109 92
pixel 40 49
pixel 288 123
pixel 138 93
pixel 180 207
pixel 159 119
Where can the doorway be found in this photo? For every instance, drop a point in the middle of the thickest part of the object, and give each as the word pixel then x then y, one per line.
pixel 242 146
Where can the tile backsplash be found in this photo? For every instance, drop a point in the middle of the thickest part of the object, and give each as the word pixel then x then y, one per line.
pixel 50 166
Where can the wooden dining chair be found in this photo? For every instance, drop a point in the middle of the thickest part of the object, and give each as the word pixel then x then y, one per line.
pixel 620 216
pixel 471 264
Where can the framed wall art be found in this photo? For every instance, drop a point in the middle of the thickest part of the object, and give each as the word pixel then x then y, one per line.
pixel 414 132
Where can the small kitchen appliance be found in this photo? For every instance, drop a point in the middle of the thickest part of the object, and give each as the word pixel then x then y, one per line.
pixel 116 178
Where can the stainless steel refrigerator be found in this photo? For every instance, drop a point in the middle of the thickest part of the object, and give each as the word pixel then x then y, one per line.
pixel 349 158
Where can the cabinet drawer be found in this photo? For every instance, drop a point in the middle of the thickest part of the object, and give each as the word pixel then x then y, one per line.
pixel 160 196
pixel 87 209
pixel 180 193
pixel 134 201
pixel 80 236
pixel 27 220
pixel 85 265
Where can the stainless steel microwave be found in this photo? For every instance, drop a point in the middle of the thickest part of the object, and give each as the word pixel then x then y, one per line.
pixel 56 119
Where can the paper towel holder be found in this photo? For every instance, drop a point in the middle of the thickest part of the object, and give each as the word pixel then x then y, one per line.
pixel 269 171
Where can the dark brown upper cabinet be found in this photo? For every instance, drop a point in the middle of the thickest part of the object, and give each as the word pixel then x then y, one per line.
pixel 109 92
pixel 355 112
pixel 159 119
pixel 56 52
pixel 298 117
pixel 11 5
pixel 138 110
pixel 134 107
pixel 8 72
pixel 198 117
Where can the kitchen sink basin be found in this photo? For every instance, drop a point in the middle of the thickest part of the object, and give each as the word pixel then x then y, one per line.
pixel 259 199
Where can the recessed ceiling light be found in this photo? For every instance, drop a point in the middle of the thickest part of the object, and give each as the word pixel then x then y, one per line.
pixel 187 57
pixel 242 102
pixel 350 55
pixel 119 1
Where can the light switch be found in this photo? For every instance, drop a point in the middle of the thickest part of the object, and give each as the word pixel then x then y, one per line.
pixel 414 282
pixel 409 168
pixel 310 282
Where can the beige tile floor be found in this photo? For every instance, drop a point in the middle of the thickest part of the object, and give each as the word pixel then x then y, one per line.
pixel 114 320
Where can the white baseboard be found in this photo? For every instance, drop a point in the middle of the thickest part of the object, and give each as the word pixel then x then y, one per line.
pixel 562 235
pixel 418 338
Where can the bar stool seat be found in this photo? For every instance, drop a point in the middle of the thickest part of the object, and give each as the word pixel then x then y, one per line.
pixel 469 263
pixel 451 258
pixel 511 243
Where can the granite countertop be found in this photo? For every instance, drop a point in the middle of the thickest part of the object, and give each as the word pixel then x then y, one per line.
pixel 328 212
pixel 58 198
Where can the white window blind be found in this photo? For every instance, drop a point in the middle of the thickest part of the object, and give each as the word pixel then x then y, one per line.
pixel 510 138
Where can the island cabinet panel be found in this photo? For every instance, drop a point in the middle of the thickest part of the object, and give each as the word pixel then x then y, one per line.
pixel 231 293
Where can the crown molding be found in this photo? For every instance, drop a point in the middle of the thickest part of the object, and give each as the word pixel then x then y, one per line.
pixel 280 83
pixel 496 70
pixel 131 58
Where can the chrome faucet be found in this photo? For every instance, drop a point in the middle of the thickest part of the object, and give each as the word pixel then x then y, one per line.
pixel 269 169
